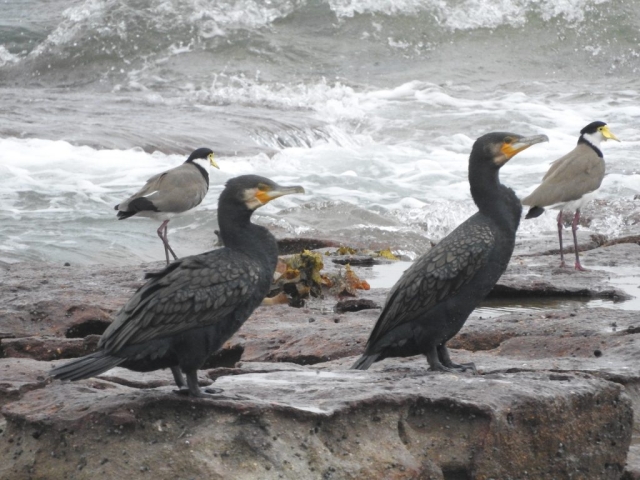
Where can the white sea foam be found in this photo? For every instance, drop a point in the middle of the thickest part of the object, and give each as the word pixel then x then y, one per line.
pixel 472 14
pixel 332 100
pixel 117 19
pixel 400 152
pixel 401 162
pixel 7 57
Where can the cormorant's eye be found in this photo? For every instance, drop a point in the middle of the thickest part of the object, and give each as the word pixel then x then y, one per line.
pixel 508 140
pixel 263 187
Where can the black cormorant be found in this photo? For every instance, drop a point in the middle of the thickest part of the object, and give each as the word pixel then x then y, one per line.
pixel 188 310
pixel 170 193
pixel 434 297
pixel 572 180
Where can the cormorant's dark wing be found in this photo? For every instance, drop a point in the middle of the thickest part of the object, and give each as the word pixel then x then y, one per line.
pixel 192 292
pixel 438 274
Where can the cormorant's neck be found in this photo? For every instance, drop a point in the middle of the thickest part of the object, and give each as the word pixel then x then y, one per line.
pixel 493 199
pixel 592 140
pixel 484 180
pixel 201 169
pixel 238 233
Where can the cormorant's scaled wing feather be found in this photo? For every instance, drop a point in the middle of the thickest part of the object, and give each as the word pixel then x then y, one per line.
pixel 200 291
pixel 440 273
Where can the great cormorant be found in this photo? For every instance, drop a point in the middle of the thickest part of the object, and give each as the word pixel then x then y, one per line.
pixel 187 311
pixel 433 298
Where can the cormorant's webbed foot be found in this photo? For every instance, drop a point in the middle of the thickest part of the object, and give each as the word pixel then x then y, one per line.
pixel 194 389
pixel 180 382
pixel 454 368
pixel 439 360
pixel 213 391
pixel 463 367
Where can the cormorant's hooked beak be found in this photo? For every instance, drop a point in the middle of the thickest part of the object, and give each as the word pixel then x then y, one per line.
pixel 212 162
pixel 265 196
pixel 518 144
pixel 606 133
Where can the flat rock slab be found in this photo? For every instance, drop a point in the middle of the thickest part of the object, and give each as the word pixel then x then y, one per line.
pixel 542 275
pixel 286 420
pixel 304 336
pixel 48 348
pixel 50 301
pixel 305 423
pixel 487 333
pixel 19 375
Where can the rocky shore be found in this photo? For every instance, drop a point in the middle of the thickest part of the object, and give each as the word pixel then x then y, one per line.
pixel 558 385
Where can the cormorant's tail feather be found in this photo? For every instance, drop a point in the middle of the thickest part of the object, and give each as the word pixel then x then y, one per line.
pixel 534 212
pixel 86 367
pixel 365 361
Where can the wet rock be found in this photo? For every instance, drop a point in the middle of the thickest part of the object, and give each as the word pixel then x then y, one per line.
pixel 49 348
pixel 290 246
pixel 145 380
pixel 632 470
pixel 405 423
pixel 542 277
pixel 550 344
pixel 53 317
pixel 19 375
pixel 355 260
pixel 48 301
pixel 282 334
pixel 355 305
pixel 628 239
pixel 489 333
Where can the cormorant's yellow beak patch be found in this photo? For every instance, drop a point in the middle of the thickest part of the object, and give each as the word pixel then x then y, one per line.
pixel 263 194
pixel 512 145
pixel 606 133
pixel 212 162
pixel 508 149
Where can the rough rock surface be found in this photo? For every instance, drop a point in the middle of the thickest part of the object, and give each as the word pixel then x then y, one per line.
pixel 401 423
pixel 556 350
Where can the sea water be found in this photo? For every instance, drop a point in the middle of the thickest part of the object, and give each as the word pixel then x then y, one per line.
pixel 371 105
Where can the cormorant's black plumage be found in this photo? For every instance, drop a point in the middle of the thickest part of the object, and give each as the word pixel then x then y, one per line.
pixel 433 298
pixel 188 310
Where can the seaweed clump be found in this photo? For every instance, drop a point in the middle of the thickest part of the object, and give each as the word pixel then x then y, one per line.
pixel 300 276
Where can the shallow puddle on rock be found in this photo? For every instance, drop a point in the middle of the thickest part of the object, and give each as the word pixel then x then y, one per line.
pixel 495 307
pixel 624 278
pixel 385 275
